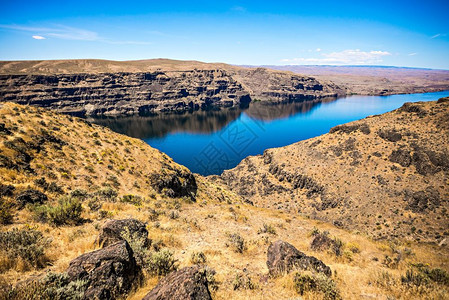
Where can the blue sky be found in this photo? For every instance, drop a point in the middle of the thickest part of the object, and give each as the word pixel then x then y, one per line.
pixel 399 33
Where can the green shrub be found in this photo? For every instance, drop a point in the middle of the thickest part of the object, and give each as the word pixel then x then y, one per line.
pixel 316 283
pixel 237 242
pixel 421 274
pixel 54 286
pixel 67 212
pixel 132 199
pixel 267 228
pixel 412 277
pixel 161 263
pixel 27 245
pixel 6 211
pixel 198 258
pixel 107 194
pixel 243 281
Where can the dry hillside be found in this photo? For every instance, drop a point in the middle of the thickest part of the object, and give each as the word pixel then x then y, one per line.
pixel 385 175
pixel 63 180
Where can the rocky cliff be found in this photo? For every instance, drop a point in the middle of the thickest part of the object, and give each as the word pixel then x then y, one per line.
pixel 384 175
pixel 87 90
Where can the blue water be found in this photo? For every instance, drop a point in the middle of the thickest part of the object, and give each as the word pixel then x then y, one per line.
pixel 210 142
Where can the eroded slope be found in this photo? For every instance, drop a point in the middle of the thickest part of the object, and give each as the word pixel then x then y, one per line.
pixel 384 175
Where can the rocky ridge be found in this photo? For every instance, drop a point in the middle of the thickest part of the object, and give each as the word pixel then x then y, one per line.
pixel 80 90
pixel 384 175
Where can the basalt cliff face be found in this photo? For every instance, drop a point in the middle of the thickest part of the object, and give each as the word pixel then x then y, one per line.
pixel 384 175
pixel 83 89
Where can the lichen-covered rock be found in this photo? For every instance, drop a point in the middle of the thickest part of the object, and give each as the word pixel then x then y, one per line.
pixel 283 257
pixel 175 183
pixel 187 283
pixel 109 272
pixel 30 196
pixel 113 230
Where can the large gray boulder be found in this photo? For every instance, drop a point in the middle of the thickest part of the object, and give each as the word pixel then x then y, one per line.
pixel 282 257
pixel 112 231
pixel 109 272
pixel 187 283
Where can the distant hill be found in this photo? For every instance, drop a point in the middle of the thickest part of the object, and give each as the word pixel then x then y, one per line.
pixel 375 80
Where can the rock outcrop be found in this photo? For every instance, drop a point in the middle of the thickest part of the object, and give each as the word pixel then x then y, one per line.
pixel 110 272
pixel 31 196
pixel 113 230
pixel 187 283
pixel 282 257
pixel 81 92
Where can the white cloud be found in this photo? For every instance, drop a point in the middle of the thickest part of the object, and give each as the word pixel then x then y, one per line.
pixel 318 49
pixel 345 57
pixel 412 54
pixel 435 36
pixel 69 33
pixel 38 37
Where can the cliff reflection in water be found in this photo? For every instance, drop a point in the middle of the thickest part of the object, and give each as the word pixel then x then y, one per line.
pixel 202 121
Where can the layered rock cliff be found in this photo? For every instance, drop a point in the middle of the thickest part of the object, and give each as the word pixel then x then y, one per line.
pixel 83 91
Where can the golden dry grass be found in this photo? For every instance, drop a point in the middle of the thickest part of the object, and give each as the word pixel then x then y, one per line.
pixel 201 226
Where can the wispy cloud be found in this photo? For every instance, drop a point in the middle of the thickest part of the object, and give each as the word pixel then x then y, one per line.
pixel 318 50
pixel 68 33
pixel 38 37
pixel 438 35
pixel 412 54
pixel 344 57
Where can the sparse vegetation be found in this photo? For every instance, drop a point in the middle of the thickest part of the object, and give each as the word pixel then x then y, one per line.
pixel 237 242
pixel 161 262
pixel 66 212
pixel 23 249
pixel 320 283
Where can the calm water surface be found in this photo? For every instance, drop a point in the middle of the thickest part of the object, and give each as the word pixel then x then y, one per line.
pixel 208 142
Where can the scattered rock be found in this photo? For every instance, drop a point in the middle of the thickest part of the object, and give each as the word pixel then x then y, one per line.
pixel 109 272
pixel 390 135
pixel 401 157
pixel 413 108
pixel 443 100
pixel 422 201
pixel 4 130
pixel 31 196
pixel 175 183
pixel 282 257
pixel 112 231
pixel 362 127
pixel 187 283
pixel 321 242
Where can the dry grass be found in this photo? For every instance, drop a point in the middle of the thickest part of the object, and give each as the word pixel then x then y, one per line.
pixel 201 226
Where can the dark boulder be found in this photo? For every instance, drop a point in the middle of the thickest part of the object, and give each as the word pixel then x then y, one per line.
pixel 362 127
pixel 390 135
pixel 30 196
pixel 6 190
pixel 422 201
pixel 109 273
pixel 282 257
pixel 187 283
pixel 413 108
pixel 112 231
pixel 443 100
pixel 4 130
pixel 401 157
pixel 175 183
